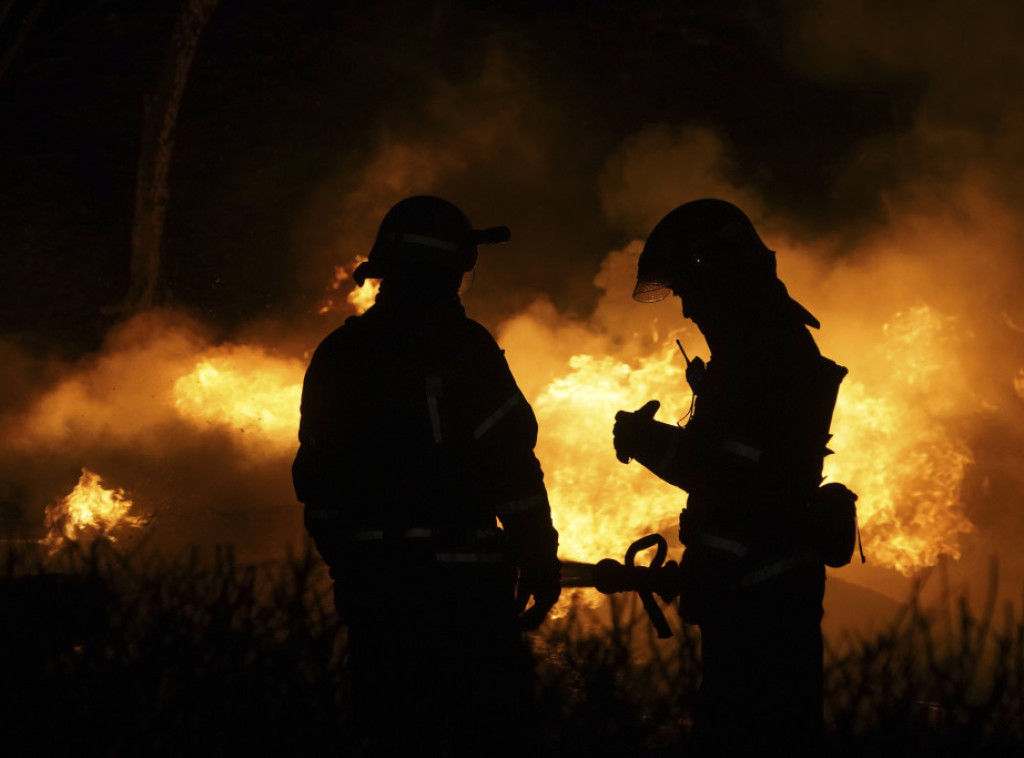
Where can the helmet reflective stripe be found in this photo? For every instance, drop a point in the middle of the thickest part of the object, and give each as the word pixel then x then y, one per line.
pixel 470 557
pixel 497 416
pixel 419 239
pixel 738 448
pixel 434 386
pixel 370 535
pixel 374 535
pixel 415 533
pixel 518 506
pixel 724 544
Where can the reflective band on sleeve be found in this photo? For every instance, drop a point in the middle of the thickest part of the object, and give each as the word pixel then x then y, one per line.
pixel 742 450
pixel 434 392
pixel 470 557
pixel 415 533
pixel 723 543
pixel 370 535
pixel 518 506
pixel 497 416
pixel 777 568
pixel 419 239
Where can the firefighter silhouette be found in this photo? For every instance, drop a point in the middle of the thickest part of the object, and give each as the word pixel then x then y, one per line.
pixel 750 458
pixel 415 441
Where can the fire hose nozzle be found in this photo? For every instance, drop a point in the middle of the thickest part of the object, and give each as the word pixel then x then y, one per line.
pixel 608 576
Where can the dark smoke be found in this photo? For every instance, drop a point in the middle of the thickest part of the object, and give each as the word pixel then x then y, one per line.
pixel 877 146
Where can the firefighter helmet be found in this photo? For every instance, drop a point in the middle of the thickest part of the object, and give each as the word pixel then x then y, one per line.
pixel 710 245
pixel 710 242
pixel 425 233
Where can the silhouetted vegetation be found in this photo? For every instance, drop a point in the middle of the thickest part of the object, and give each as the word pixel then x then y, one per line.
pixel 110 655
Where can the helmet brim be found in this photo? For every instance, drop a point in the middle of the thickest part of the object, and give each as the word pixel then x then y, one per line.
pixel 651 290
pixel 366 270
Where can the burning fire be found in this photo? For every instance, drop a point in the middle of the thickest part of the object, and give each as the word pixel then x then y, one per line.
pixel 360 298
pixel 244 389
pixel 895 451
pixel 892 437
pixel 896 437
pixel 599 505
pixel 90 510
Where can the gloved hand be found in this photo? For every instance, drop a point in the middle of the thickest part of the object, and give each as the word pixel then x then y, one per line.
pixel 631 430
pixel 544 586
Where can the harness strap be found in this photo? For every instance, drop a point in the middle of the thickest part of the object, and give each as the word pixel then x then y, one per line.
pixel 777 568
pixel 723 543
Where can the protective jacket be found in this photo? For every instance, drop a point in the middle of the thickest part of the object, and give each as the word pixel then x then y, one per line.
pixel 751 457
pixel 751 577
pixel 415 442
pixel 414 439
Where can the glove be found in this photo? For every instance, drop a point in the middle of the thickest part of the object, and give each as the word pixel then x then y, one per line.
pixel 632 429
pixel 544 587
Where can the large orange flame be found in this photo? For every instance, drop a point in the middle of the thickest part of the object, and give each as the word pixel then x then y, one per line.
pixel 243 389
pixel 893 433
pixel 600 506
pixel 897 440
pixel 895 450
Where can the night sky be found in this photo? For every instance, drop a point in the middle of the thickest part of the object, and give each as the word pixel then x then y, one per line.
pixel 288 103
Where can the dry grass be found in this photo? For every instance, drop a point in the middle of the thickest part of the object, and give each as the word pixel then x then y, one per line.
pixel 110 655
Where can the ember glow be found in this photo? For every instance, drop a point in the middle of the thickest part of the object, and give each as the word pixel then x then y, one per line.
pixel 90 510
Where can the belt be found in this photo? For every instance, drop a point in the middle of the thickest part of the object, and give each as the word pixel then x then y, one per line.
pixel 416 533
pixel 468 555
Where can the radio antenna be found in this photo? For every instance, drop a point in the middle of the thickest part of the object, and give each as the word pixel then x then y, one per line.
pixel 685 356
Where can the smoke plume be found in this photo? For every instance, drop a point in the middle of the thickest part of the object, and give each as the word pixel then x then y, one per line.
pixel 896 221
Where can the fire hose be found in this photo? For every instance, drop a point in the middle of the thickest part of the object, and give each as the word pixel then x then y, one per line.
pixel 608 576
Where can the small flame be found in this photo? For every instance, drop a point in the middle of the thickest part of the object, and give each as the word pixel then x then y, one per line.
pixel 361 298
pixel 328 303
pixel 90 510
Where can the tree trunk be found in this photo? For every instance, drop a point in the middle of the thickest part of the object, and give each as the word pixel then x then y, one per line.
pixel 159 118
pixel 25 23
